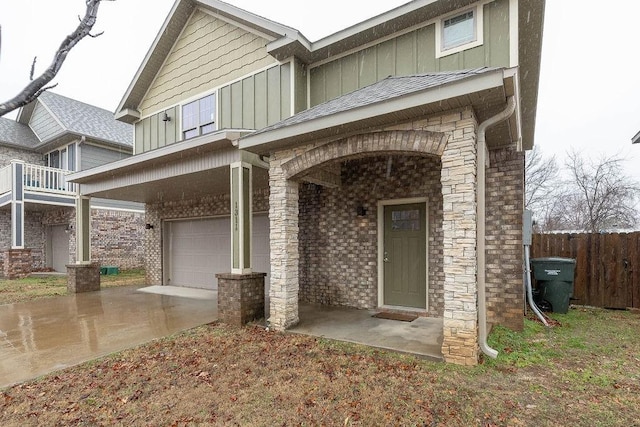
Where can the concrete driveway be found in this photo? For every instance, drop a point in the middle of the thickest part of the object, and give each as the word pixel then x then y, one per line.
pixel 42 336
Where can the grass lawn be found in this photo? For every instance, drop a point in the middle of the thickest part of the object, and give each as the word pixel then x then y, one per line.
pixel 585 371
pixel 41 287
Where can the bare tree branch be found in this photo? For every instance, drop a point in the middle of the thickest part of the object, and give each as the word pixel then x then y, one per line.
pixel 40 84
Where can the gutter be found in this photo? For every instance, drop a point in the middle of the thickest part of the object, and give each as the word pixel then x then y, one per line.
pixel 481 220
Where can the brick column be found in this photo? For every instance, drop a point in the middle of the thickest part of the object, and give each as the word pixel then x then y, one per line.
pixel 240 297
pixel 458 178
pixel 17 263
pixel 283 219
pixel 83 278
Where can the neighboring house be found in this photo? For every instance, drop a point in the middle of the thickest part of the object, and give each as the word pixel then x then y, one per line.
pixel 50 138
pixel 373 151
pixel 636 139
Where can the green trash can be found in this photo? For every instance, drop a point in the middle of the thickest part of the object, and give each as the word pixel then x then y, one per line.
pixel 554 277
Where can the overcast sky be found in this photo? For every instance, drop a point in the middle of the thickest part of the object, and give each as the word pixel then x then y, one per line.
pixel 589 96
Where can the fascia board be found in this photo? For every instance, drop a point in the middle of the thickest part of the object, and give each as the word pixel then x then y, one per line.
pixel 148 56
pixel 416 99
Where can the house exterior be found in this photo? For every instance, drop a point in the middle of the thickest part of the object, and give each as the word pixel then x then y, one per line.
pixel 381 167
pixel 50 138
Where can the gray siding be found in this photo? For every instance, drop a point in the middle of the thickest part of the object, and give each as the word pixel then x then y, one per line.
pixel 43 123
pixel 92 156
pixel 412 53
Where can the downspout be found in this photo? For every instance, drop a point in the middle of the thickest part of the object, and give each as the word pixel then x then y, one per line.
pixel 481 232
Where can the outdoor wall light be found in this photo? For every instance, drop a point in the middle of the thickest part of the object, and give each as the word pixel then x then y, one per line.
pixel 68 228
pixel 361 210
pixel 165 118
pixel 148 226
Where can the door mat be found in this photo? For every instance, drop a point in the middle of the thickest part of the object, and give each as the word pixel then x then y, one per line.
pixel 396 316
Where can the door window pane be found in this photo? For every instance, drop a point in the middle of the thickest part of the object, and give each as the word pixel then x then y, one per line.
pixel 405 220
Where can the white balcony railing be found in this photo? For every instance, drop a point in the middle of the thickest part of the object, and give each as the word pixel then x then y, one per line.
pixel 46 179
pixel 38 178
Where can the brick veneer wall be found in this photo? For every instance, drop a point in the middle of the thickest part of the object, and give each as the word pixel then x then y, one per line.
pixel 505 199
pixel 339 250
pixel 116 236
pixel 8 153
pixel 215 205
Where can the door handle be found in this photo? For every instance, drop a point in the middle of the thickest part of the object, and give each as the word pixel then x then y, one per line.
pixel 386 257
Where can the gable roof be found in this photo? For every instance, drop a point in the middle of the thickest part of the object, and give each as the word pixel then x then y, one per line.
pixel 77 118
pixel 17 134
pixel 168 35
pixel 636 138
pixel 390 100
pixel 287 42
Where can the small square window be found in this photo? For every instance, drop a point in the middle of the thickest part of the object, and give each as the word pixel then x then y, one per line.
pixel 458 32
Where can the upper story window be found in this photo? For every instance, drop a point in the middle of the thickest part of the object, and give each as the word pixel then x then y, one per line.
pixel 199 117
pixel 458 32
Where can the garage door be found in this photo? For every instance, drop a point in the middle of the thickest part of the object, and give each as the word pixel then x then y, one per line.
pixel 195 250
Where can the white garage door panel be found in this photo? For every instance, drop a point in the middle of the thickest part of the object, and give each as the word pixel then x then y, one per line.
pixel 198 249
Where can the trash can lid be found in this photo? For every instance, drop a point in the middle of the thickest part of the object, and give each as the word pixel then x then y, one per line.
pixel 554 260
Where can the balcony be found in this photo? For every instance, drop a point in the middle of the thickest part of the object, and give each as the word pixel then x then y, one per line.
pixel 36 184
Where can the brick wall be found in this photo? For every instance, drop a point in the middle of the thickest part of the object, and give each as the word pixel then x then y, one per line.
pixel 116 236
pixel 7 154
pixel 339 250
pixel 217 205
pixel 504 197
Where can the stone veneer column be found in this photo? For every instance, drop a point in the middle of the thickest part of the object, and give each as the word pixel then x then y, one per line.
pixel 460 344
pixel 283 220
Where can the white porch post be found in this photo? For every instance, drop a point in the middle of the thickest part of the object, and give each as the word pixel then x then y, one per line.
pixel 241 217
pixel 17 205
pixel 83 230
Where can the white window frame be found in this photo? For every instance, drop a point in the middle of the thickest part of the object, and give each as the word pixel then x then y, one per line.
pixel 199 124
pixel 478 26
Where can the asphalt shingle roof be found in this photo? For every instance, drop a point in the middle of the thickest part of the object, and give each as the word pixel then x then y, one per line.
pixel 17 134
pixel 383 90
pixel 84 119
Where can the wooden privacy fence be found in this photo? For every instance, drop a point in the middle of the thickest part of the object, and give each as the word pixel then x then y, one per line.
pixel 607 265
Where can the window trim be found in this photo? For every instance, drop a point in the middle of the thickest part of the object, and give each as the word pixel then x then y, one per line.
pixel 478 28
pixel 200 125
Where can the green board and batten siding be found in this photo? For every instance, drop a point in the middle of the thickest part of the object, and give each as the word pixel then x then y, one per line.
pixel 254 102
pixel 259 100
pixel 412 53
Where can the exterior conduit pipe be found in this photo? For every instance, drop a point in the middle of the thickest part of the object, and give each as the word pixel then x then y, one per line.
pixel 481 218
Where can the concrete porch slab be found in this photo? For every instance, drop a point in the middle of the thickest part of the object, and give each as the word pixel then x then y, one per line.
pixel 180 291
pixel 422 337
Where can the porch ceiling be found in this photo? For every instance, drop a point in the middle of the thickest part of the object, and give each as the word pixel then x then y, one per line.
pixel 186 170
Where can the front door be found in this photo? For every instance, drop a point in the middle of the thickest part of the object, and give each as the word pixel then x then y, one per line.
pixel 405 255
